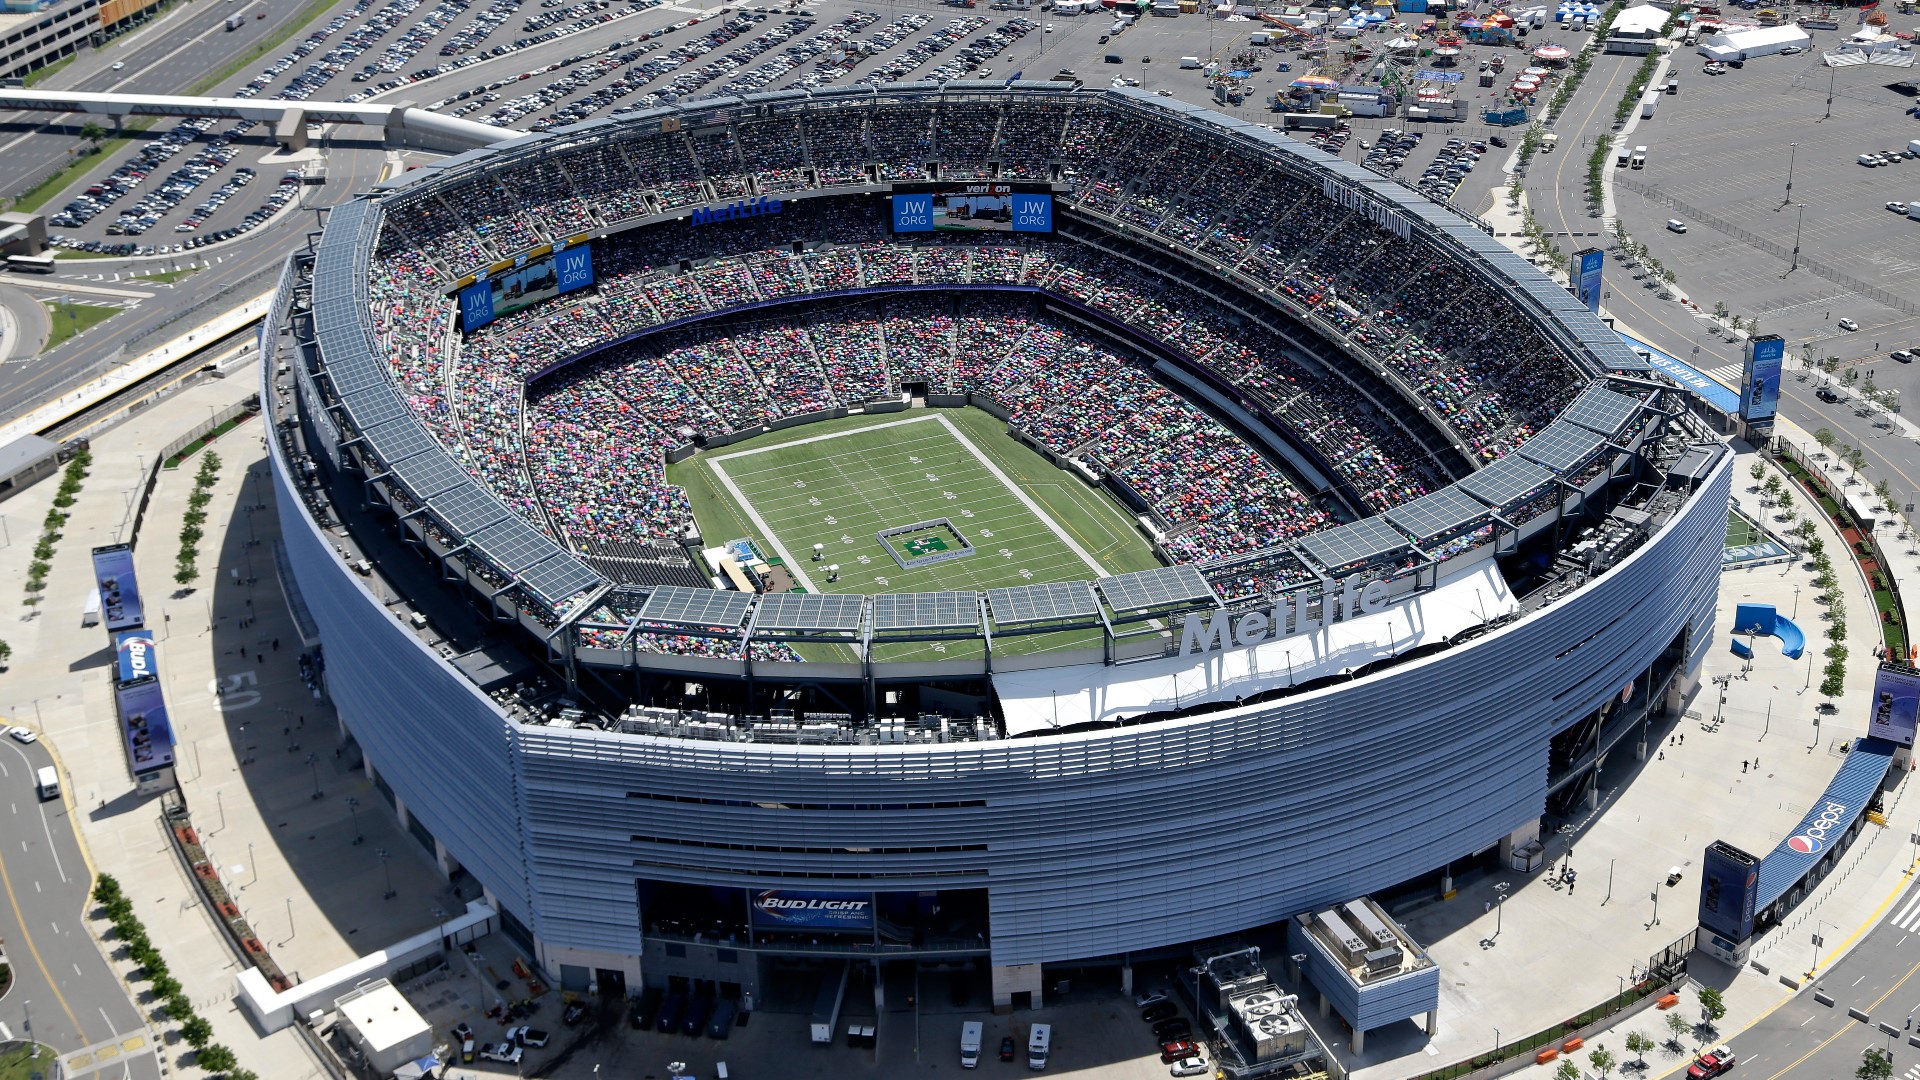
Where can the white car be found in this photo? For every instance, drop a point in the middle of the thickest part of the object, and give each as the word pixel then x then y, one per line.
pixel 1049 28
pixel 1192 1066
pixel 21 734
pixel 1848 324
pixel 1897 207
pixel 1149 997
pixel 1791 50
pixel 505 1052
pixel 119 65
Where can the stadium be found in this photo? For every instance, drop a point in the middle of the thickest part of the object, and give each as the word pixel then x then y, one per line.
pixel 1017 527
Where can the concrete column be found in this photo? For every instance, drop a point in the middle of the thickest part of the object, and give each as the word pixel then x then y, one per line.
pixel 400 811
pixel 1326 1007
pixel 879 989
pixel 444 860
pixel 1433 1022
pixel 1126 979
pixel 1359 1043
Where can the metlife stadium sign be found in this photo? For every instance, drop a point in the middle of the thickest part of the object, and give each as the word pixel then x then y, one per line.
pixel 792 909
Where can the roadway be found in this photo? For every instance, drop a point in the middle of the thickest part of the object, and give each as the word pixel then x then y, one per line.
pixel 65 994
pixel 1806 1038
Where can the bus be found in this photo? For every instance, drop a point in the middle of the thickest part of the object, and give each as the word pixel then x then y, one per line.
pixel 32 264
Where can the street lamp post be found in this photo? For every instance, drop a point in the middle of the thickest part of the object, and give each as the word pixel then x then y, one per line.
pixel 353 809
pixel 1799 218
pixel 1792 150
pixel 388 871
pixel 313 766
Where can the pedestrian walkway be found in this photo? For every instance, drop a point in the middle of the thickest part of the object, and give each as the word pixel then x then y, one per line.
pixel 251 759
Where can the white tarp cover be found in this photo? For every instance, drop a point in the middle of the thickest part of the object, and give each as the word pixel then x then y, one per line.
pixel 1096 692
pixel 1757 41
pixel 1643 21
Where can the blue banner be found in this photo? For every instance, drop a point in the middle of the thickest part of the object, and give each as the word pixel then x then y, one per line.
pixel 1438 76
pixel 136 656
pixel 793 909
pixel 144 725
pixel 1589 267
pixel 913 213
pixel 1896 704
pixel 1760 378
pixel 119 592
pixel 476 305
pixel 1033 213
pixel 1729 887
pixel 575 266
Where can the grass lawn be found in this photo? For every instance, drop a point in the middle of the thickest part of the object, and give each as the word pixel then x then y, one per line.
pixel 71 320
pixel 51 188
pixel 1740 531
pixel 839 483
pixel 167 277
pixel 19 1064
pixel 40 75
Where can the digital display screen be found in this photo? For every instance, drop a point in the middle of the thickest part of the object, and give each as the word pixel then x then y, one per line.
pixel 975 206
pixel 524 286
pixel 119 591
pixel 1760 379
pixel 143 721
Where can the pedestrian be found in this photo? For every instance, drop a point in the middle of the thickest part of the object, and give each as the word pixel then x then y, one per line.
pixel 1743 767
pixel 1683 738
pixel 1663 755
pixel 276 644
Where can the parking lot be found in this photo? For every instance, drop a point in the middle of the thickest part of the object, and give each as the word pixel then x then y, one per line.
pixel 1726 177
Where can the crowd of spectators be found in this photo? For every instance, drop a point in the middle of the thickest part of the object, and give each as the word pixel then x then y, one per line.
pixel 580 453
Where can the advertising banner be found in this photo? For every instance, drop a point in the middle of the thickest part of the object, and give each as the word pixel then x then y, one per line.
pixel 136 656
pixel 526 285
pixel 1896 704
pixel 1760 378
pixel 144 724
pixel 119 592
pixel 1729 887
pixel 976 206
pixel 794 909
pixel 1588 268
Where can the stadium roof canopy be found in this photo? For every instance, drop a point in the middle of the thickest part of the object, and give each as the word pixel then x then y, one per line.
pixel 810 612
pixel 1359 542
pixel 1506 482
pixel 1562 447
pixel 1444 513
pixel 1173 586
pixel 1600 409
pixel 673 605
pixel 1042 603
pixel 926 611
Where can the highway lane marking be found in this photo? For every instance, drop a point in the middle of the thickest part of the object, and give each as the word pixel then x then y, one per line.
pixel 1849 1027
pixel 6 881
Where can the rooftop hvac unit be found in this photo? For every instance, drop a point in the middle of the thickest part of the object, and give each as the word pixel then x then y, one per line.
pixel 1360 915
pixel 1277 1036
pixel 1384 959
pixel 1256 1005
pixel 1336 931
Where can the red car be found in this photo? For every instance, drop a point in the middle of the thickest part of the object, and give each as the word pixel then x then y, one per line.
pixel 1171 1052
pixel 1711 1064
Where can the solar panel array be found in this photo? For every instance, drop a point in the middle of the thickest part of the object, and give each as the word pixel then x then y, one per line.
pixel 1042 603
pixel 1562 447
pixel 1443 513
pixel 1148 589
pixel 676 606
pixel 926 611
pixel 1361 541
pixel 1601 410
pixel 1506 482
pixel 810 611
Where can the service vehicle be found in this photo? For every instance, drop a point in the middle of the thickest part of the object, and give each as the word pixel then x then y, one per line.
pixel 970 1033
pixel 1712 1063
pixel 47 782
pixel 1039 1046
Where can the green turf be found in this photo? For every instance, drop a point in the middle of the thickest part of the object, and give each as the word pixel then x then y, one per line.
pixel 71 320
pixel 20 1063
pixel 841 491
pixel 1741 532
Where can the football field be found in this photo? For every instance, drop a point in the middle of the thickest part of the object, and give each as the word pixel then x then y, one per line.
pixel 993 512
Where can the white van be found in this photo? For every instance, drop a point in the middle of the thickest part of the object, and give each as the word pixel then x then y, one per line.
pixel 1039 1045
pixel 1189 63
pixel 1675 225
pixel 47 782
pixel 971 1033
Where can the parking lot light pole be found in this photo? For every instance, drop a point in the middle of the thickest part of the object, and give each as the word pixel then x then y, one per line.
pixel 1799 219
pixel 1792 150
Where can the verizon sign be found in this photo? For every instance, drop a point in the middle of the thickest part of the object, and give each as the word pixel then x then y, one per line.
pixel 1287 617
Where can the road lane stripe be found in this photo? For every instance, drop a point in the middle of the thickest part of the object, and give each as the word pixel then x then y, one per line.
pixel 6 881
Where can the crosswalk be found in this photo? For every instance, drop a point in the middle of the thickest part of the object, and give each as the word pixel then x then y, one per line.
pixel 1907 916
pixel 1728 375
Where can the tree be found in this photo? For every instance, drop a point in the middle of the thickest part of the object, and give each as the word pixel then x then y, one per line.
pixel 1602 1060
pixel 1884 492
pixel 1568 1070
pixel 1638 1045
pixel 1875 1064
pixel 198 1032
pixel 164 987
pixel 92 132
pixel 1678 1027
pixel 1758 472
pixel 215 1058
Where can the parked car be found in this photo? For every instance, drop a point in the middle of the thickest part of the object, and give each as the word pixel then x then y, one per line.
pixel 1006 1048
pixel 23 735
pixel 527 1036
pixel 575 1012
pixel 1897 207
pixel 1902 356
pixel 505 1053
pixel 1178 1049
pixel 1176 1028
pixel 1165 1010
pixel 1711 1064
pixel 1149 997
pixel 1192 1066
pixel 1827 394
pixel 1847 324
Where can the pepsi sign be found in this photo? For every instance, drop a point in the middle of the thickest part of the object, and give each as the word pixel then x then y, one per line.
pixel 1812 838
pixel 137 657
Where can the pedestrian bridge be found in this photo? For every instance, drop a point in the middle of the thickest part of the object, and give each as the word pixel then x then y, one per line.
pixel 401 124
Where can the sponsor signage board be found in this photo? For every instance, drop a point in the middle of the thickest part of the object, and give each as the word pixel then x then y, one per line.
pixel 119 591
pixel 145 727
pixel 522 286
pixel 1896 704
pixel 1729 890
pixel 136 657
pixel 1760 378
pixel 794 909
pixel 973 206
pixel 1589 267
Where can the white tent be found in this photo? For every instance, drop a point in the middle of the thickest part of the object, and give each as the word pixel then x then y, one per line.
pixel 1639 22
pixel 1746 44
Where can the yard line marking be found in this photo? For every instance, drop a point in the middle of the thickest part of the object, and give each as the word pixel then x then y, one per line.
pixel 990 466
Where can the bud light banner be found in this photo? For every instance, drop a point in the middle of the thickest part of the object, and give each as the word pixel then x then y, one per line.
pixel 1729 888
pixel 119 592
pixel 792 909
pixel 137 659
pixel 1760 378
pixel 1896 704
pixel 1588 267
pixel 524 286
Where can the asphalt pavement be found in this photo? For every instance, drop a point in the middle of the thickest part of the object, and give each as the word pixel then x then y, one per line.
pixel 66 996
